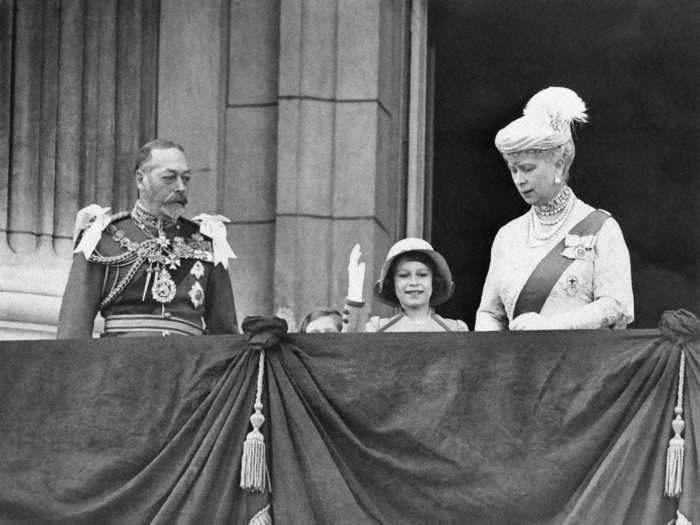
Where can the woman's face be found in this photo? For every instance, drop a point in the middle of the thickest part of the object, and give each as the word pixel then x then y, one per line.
pixel 322 325
pixel 534 175
pixel 413 284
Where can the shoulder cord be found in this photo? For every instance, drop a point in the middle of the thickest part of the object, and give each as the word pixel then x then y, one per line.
pixel 122 259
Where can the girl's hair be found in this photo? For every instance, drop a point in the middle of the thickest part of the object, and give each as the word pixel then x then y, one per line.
pixel 317 314
pixel 439 284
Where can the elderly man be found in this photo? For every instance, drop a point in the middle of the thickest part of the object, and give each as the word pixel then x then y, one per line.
pixel 150 271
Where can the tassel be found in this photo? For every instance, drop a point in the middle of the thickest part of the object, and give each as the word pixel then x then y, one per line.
pixel 674 460
pixel 674 453
pixel 254 473
pixel 262 517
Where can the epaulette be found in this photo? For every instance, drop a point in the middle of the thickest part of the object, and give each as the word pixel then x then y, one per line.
pixel 214 227
pixel 90 222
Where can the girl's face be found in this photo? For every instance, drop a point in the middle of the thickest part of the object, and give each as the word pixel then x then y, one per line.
pixel 535 176
pixel 413 284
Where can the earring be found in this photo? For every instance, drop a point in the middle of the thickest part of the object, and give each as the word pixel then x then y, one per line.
pixel 557 180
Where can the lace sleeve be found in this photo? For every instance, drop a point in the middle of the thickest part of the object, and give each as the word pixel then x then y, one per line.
pixel 612 274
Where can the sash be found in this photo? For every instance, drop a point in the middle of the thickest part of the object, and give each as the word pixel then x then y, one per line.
pixel 391 322
pixel 546 274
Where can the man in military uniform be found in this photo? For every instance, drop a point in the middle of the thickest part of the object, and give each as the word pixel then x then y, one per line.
pixel 150 271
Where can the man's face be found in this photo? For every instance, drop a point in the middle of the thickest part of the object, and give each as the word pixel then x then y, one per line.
pixel 162 182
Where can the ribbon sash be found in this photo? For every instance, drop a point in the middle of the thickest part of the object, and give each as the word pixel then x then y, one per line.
pixel 546 274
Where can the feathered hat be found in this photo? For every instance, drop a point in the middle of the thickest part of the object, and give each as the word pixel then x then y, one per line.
pixel 546 122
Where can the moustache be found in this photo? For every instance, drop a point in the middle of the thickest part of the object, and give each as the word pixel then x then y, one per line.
pixel 176 199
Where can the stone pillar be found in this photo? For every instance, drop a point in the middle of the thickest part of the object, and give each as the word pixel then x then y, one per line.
pixel 251 149
pixel 340 160
pixel 218 98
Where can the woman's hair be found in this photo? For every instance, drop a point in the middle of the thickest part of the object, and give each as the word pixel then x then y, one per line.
pixel 440 285
pixel 317 314
pixel 566 152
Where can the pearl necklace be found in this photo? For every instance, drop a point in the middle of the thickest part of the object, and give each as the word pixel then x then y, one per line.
pixel 556 205
pixel 535 235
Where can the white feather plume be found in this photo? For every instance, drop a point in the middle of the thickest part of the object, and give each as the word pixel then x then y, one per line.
pixel 559 105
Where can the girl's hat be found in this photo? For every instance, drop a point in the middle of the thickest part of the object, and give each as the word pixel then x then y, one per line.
pixel 414 244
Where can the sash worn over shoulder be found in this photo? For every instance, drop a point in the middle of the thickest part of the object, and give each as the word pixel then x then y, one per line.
pixel 545 275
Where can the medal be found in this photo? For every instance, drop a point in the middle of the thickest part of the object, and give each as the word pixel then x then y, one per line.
pixel 163 289
pixel 197 270
pixel 196 294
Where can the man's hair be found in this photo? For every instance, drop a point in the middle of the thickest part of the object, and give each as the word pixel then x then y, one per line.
pixel 143 155
pixel 317 314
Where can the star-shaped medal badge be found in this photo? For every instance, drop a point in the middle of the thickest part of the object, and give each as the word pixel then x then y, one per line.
pixel 196 294
pixel 197 269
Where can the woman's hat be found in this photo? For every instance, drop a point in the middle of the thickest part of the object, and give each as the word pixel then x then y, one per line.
pixel 414 244
pixel 546 121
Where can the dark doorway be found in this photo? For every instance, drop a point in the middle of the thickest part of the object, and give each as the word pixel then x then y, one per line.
pixel 635 63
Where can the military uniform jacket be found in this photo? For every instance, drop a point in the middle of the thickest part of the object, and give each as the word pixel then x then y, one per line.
pixel 118 283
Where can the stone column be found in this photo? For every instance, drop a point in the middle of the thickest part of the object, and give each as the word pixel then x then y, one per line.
pixel 249 192
pixel 218 98
pixel 340 160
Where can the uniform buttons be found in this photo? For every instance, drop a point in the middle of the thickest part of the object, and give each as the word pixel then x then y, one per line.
pixel 166 333
pixel 167 315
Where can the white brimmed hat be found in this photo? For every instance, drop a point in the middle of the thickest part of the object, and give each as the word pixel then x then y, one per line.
pixel 414 244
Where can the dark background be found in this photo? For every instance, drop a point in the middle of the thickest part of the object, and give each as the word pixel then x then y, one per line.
pixel 635 64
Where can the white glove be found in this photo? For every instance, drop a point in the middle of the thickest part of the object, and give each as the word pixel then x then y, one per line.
pixel 531 321
pixel 356 275
pixel 604 312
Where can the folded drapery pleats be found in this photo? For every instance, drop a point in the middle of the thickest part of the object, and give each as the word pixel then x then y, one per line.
pixel 528 428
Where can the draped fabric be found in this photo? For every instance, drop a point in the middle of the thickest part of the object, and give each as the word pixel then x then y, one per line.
pixel 478 428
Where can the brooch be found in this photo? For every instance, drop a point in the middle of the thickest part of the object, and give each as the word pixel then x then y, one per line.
pixel 571 285
pixel 578 247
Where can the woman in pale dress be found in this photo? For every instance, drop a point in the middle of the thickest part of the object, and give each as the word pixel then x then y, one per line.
pixel 414 279
pixel 563 264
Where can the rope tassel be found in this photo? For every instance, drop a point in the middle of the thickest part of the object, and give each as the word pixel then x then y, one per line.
pixel 675 451
pixel 254 474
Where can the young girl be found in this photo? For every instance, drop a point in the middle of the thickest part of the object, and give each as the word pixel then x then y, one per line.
pixel 414 278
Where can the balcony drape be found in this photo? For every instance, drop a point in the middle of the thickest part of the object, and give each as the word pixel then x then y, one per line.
pixel 526 428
